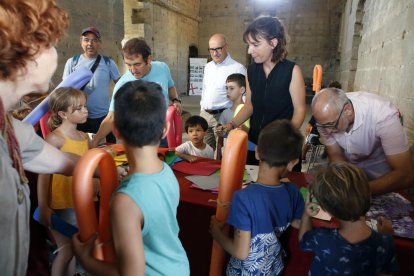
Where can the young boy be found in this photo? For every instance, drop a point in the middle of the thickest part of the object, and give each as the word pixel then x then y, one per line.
pixel 262 211
pixel 342 190
pixel 236 89
pixel 196 128
pixel 144 207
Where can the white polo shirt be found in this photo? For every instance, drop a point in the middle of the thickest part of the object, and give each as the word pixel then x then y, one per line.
pixel 214 94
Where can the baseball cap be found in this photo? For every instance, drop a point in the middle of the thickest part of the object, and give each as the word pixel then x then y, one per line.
pixel 92 30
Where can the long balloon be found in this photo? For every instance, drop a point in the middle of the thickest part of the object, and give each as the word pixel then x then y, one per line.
pixel 77 79
pixel 82 188
pixel 231 178
pixel 317 78
pixel 174 135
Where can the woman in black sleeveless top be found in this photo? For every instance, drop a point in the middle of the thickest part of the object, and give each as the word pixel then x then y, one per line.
pixel 275 88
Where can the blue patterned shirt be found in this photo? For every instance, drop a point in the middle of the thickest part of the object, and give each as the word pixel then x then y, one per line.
pixel 335 256
pixel 266 212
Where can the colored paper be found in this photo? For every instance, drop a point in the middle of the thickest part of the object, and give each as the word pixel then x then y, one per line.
pixel 196 168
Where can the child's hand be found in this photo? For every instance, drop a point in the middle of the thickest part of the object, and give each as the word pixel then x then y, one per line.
pixel 122 172
pixel 221 131
pixel 83 251
pixel 191 158
pixel 45 214
pixel 384 226
pixel 216 227
pixel 312 209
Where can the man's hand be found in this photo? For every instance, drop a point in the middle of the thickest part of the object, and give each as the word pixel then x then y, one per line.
pixel 178 107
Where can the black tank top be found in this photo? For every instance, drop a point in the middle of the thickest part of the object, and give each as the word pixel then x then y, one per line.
pixel 270 97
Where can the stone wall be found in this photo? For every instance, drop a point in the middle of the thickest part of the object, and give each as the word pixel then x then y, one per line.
pixel 169 27
pixel 106 16
pixel 385 54
pixel 229 18
pixel 313 27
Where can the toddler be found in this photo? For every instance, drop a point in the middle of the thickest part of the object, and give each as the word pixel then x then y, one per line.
pixel 196 128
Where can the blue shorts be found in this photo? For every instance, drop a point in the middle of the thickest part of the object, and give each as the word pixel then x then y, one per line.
pixel 67 215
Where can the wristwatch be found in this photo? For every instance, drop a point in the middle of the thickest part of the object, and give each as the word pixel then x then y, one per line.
pixel 175 100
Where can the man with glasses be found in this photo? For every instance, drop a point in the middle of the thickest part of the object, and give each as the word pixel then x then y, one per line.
pixel 97 89
pixel 365 129
pixel 214 96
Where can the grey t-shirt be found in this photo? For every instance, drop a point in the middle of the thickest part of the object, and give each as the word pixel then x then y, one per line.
pixel 14 216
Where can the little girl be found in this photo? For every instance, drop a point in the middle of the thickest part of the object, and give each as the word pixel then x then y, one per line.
pixel 68 106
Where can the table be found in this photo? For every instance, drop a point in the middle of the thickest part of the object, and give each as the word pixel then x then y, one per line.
pixel 196 208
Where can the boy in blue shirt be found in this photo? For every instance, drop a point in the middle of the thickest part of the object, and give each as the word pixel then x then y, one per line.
pixel 262 211
pixel 144 207
pixel 342 190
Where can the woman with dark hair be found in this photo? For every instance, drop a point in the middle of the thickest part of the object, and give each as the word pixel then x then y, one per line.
pixel 275 88
pixel 29 30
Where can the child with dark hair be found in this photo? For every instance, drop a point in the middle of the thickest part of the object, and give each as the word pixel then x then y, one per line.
pixel 262 211
pixel 236 88
pixel 342 190
pixel 144 207
pixel 196 128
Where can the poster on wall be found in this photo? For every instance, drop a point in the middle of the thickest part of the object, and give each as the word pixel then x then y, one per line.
pixel 196 75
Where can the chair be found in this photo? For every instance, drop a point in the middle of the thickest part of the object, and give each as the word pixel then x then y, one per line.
pixel 316 150
pixel 43 124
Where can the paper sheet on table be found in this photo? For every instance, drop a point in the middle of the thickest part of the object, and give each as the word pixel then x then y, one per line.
pixel 196 168
pixel 210 182
pixel 252 170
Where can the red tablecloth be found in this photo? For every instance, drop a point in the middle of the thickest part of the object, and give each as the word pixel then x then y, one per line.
pixel 194 214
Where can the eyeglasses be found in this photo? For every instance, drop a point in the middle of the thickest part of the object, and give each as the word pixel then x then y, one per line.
pixel 334 124
pixel 218 49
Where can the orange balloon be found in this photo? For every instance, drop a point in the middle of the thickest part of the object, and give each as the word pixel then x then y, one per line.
pixel 83 199
pixel 317 78
pixel 231 179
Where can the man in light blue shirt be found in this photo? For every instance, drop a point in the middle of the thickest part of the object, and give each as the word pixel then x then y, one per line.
pixel 97 89
pixel 138 58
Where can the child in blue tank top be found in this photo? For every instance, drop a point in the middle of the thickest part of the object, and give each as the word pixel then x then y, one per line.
pixel 144 207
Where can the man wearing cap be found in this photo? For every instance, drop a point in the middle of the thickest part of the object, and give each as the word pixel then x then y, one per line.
pixel 214 95
pixel 97 89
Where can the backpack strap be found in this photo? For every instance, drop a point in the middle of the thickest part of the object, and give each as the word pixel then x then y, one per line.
pixel 94 66
pixel 75 60
pixel 107 60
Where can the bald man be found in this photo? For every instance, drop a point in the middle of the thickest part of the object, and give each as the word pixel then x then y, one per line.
pixel 365 129
pixel 214 96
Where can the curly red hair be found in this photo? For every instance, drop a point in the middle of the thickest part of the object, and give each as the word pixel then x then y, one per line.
pixel 26 27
